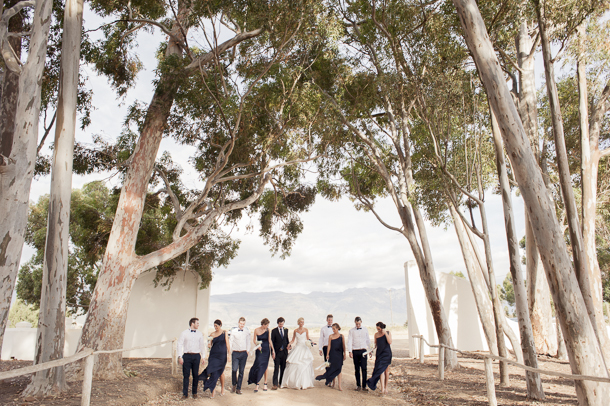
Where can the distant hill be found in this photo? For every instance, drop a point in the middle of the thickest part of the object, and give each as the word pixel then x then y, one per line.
pixel 372 304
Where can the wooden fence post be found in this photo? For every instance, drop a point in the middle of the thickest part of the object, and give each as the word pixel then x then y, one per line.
pixel 174 356
pixel 441 363
pixel 87 380
pixel 421 349
pixel 489 381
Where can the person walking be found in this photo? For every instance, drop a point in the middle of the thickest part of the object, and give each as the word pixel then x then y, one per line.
pixel 261 361
pixel 358 344
pixel 325 331
pixel 239 343
pixel 190 355
pixel 383 359
pixel 217 360
pixel 336 356
pixel 279 339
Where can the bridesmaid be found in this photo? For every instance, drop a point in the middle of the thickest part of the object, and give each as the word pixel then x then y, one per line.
pixel 261 362
pixel 336 356
pixel 217 360
pixel 383 359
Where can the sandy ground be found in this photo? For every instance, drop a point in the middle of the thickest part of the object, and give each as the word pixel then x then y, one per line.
pixel 319 395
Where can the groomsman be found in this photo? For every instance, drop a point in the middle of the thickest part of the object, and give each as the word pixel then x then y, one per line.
pixel 190 353
pixel 325 332
pixel 279 339
pixel 240 345
pixel 358 342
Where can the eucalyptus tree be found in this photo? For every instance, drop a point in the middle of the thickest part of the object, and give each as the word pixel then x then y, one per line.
pixel 586 356
pixel 562 22
pixel 242 104
pixel 51 321
pixel 19 142
pixel 373 96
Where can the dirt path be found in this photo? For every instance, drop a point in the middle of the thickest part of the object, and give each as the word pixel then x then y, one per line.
pixel 319 395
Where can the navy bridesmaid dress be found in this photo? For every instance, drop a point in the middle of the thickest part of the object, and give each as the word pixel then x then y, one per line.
pixel 217 360
pixel 383 359
pixel 261 362
pixel 335 358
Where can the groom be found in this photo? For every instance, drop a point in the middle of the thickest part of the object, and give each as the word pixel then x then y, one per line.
pixel 279 339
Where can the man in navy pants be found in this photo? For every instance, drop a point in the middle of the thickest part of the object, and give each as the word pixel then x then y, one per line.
pixel 240 345
pixel 190 350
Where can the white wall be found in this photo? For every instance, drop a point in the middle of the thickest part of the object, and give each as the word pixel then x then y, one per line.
pixel 154 315
pixel 459 305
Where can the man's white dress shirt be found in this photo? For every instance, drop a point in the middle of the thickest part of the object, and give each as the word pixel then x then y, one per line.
pixel 191 341
pixel 358 339
pixel 325 332
pixel 240 339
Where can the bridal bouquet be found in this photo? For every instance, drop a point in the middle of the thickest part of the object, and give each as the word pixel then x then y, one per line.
pixel 311 343
pixel 323 366
pixel 210 339
pixel 258 345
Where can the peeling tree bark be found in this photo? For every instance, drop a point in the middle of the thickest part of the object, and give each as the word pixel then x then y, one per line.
pixel 104 328
pixel 51 321
pixel 583 348
pixel 539 297
pixel 17 166
pixel 534 385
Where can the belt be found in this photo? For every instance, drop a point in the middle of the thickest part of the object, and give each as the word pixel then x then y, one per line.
pixel 192 353
pixel 240 351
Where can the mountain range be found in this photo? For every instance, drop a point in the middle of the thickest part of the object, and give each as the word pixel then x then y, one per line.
pixel 371 304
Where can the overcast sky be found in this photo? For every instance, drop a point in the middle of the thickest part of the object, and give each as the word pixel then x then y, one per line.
pixel 339 248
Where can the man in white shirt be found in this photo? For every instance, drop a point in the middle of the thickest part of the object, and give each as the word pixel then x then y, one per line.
pixel 325 332
pixel 191 348
pixel 358 343
pixel 240 345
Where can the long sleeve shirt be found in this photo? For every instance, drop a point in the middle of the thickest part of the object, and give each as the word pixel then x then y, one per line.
pixel 325 332
pixel 240 339
pixel 358 339
pixel 191 341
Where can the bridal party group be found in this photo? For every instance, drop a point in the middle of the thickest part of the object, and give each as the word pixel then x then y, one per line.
pixel 292 356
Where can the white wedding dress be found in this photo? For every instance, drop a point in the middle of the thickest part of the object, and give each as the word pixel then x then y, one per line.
pixel 299 365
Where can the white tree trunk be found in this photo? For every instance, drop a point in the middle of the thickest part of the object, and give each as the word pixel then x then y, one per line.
pixel 51 321
pixel 590 156
pixel 583 348
pixel 538 297
pixel 534 385
pixel 17 167
pixel 479 288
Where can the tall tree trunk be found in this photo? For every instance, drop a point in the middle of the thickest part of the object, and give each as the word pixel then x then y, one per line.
pixel 534 385
pixel 538 291
pixel 583 273
pixel 104 328
pixel 51 321
pixel 590 155
pixel 477 284
pixel 583 347
pixel 440 317
pixel 8 110
pixel 506 328
pixel 538 297
pixel 19 157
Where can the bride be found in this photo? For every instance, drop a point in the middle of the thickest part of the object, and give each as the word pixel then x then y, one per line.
pixel 299 364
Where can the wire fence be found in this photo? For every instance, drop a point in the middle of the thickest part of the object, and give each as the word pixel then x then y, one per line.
pixel 89 356
pixel 489 376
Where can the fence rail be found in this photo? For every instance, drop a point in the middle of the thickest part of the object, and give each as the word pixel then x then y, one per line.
pixel 89 356
pixel 487 359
